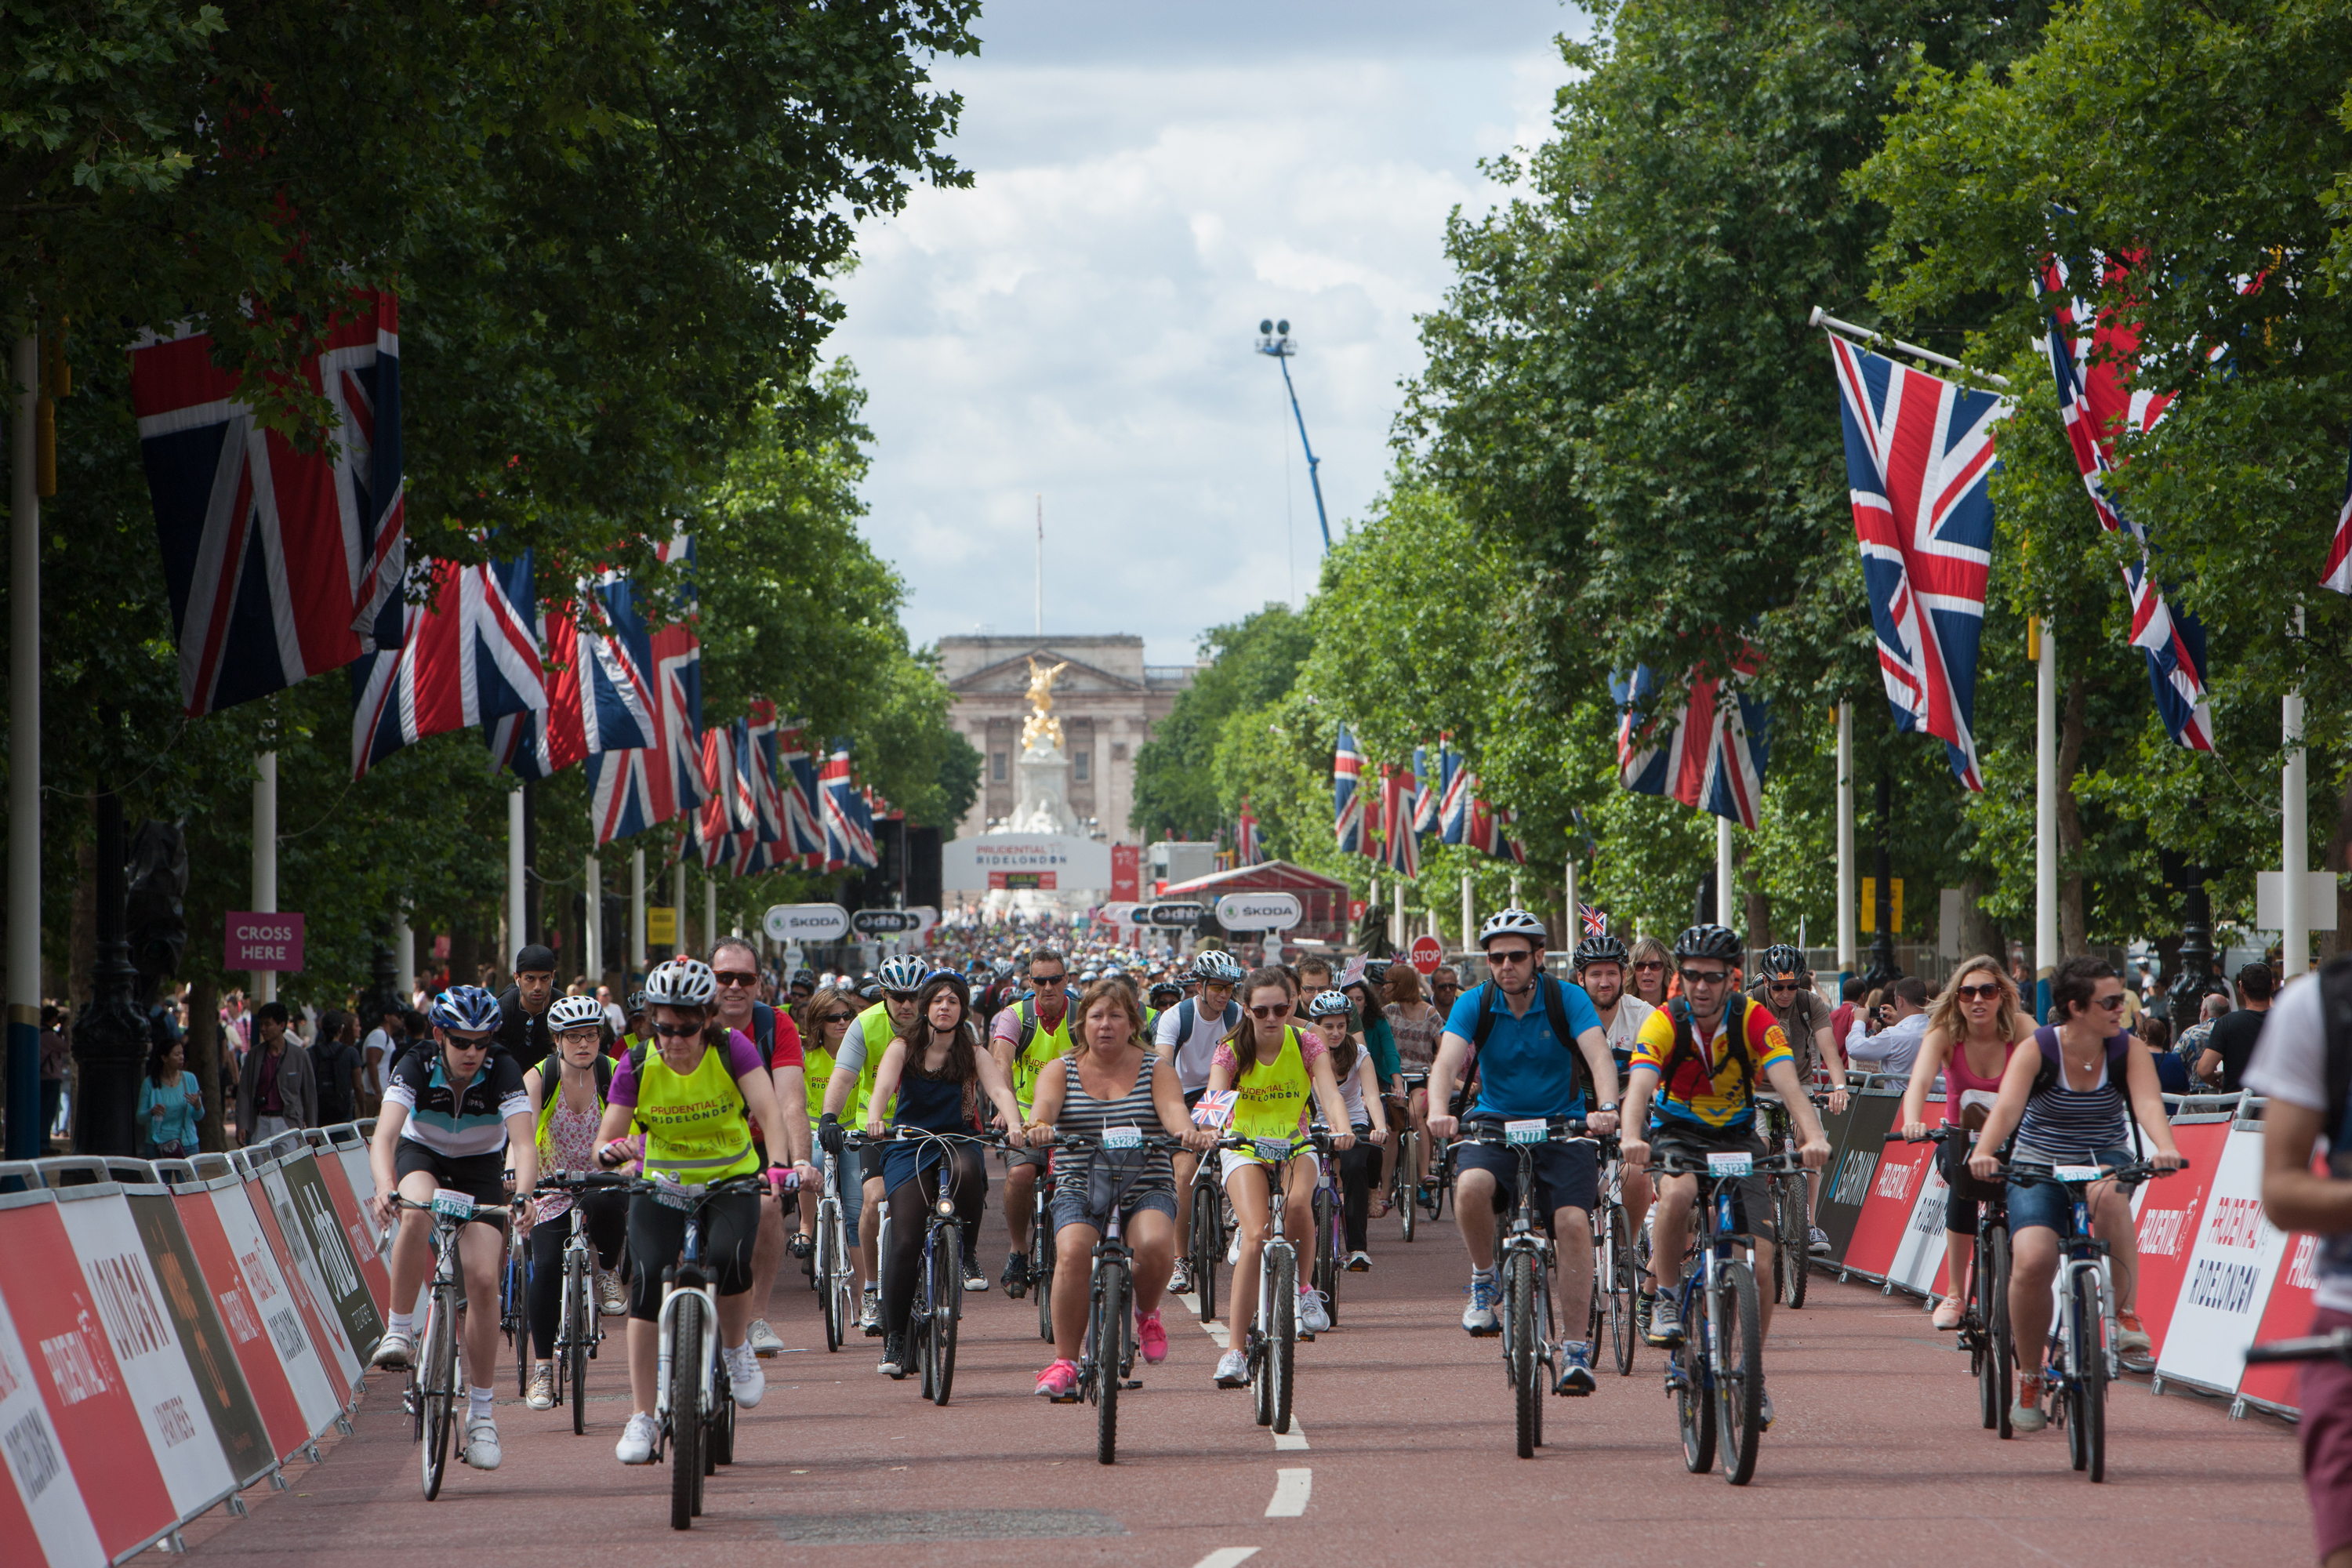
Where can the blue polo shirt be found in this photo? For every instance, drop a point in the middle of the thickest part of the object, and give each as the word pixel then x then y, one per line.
pixel 1523 1069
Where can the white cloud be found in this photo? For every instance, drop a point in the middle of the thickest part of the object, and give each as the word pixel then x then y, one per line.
pixel 1080 324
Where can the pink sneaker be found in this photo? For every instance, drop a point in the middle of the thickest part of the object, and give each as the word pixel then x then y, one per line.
pixel 1150 1337
pixel 1059 1382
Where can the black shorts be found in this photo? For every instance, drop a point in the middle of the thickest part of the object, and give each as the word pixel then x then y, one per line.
pixel 1568 1175
pixel 1751 1195
pixel 481 1177
pixel 1969 1195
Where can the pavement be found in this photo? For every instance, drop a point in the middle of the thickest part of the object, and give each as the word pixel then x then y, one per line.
pixel 1402 1451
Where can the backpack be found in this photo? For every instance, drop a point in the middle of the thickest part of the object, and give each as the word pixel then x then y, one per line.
pixel 2119 1045
pixel 1555 998
pixel 1679 1013
pixel 2336 1019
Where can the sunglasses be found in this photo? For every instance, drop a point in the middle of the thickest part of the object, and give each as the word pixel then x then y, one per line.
pixel 1706 976
pixel 729 977
pixel 1520 956
pixel 1047 979
pixel 1986 992
pixel 1271 1010
pixel 839 1019
pixel 2111 1004
pixel 1783 987
pixel 899 995
pixel 676 1031
pixel 1648 963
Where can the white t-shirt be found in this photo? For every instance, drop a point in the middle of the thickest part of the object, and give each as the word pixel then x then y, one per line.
pixel 2290 1063
pixel 1626 1026
pixel 1194 1045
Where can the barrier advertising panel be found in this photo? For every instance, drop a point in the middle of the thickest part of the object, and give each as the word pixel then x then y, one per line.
pixel 265 1333
pixel 299 1192
pixel 109 1272
pixel 2166 1212
pixel 1894 1191
pixel 301 1274
pixel 2286 1316
pixel 1918 1263
pixel 2236 1254
pixel 204 1341
pixel 318 1376
pixel 42 1514
pixel 1853 1165
pixel 350 1193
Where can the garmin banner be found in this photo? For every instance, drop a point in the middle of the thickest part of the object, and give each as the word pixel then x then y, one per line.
pixel 1856 1149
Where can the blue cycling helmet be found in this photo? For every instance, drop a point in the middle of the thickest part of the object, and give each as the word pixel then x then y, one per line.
pixel 467 1008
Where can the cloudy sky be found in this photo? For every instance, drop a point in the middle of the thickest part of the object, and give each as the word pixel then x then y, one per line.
pixel 1153 177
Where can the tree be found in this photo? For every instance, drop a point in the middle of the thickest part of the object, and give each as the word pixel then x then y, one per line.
pixel 1249 663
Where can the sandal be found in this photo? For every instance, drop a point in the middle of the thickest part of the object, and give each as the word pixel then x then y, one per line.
pixel 802 1244
pixel 1382 1208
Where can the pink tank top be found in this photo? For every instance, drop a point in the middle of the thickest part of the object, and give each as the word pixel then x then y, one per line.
pixel 1963 1088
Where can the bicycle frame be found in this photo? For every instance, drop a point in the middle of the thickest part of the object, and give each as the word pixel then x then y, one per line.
pixel 686 1279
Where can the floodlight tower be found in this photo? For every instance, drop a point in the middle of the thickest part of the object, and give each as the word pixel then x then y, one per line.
pixel 1274 339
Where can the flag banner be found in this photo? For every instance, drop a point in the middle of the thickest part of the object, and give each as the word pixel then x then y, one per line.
pixel 1399 850
pixel 1246 836
pixel 1919 452
pixel 803 811
pixel 759 767
pixel 846 842
pixel 599 690
pixel 281 564
pixel 1456 784
pixel 631 791
pixel 2091 371
pixel 1347 797
pixel 1709 753
pixel 466 656
pixel 2338 574
pixel 1427 795
pixel 714 821
pixel 1596 922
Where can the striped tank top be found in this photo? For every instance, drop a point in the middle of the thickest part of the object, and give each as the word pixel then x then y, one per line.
pixel 1086 1116
pixel 2072 1126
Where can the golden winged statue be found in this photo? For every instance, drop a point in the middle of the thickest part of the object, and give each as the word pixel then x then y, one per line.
pixel 1041 724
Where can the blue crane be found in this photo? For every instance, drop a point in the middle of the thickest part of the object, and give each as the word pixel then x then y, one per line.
pixel 1274 339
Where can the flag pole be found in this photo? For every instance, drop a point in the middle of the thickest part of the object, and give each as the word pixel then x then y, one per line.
pixel 1821 318
pixel 591 925
pixel 637 910
pixel 2045 811
pixel 518 873
pixel 1723 877
pixel 265 855
pixel 1575 910
pixel 26 1139
pixel 2295 838
pixel 1847 943
pixel 1469 916
pixel 677 947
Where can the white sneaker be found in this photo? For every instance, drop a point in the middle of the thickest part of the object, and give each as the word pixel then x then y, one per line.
pixel 1312 1317
pixel 1234 1250
pixel 750 1385
pixel 392 1352
pixel 542 1389
pixel 615 1298
pixel 763 1341
pixel 482 1443
pixel 1233 1370
pixel 636 1444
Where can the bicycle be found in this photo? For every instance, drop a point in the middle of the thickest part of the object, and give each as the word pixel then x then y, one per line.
pixel 1717 1374
pixel 1793 1208
pixel 1984 1312
pixel 938 1286
pixel 1206 1246
pixel 2081 1354
pixel 1524 1254
pixel 1106 1360
pixel 1328 1203
pixel 514 1303
pixel 1404 1178
pixel 433 1393
pixel 1616 1273
pixel 1041 1251
pixel 1269 1349
pixel 830 1271
pixel 580 1326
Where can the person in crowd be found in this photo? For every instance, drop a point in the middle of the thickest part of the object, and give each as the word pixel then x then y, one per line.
pixel 1445 989
pixel 1648 966
pixel 1024 1039
pixel 568 1111
pixel 1331 1013
pixel 735 965
pixel 2191 1046
pixel 278 1090
pixel 56 1061
pixel 2171 1073
pixel 171 1104
pixel 615 1021
pixel 849 1095
pixel 825 1019
pixel 523 1033
pixel 1417 1025
pixel 1893 1048
pixel 2070 1100
pixel 1849 1002
pixel 2230 1045
pixel 336 1061
pixel 1189 1033
pixel 379 1049
pixel 1976 1023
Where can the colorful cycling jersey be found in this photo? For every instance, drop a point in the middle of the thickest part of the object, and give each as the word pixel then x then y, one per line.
pixel 696 1127
pixel 452 1122
pixel 1718 1094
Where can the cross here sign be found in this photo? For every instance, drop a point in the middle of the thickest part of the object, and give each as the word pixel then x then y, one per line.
pixel 257 941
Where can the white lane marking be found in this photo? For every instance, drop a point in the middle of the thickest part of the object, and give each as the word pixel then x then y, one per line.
pixel 1226 1557
pixel 1215 1330
pixel 1294 1438
pixel 1290 1491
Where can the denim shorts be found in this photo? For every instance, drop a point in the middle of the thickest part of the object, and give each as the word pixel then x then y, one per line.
pixel 1070 1206
pixel 2048 1203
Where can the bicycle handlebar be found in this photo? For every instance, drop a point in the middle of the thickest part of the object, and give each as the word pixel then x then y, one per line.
pixel 1781 1165
pixel 2334 1345
pixel 1933 1135
pixel 582 1182
pixel 2130 1176
pixel 1082 1143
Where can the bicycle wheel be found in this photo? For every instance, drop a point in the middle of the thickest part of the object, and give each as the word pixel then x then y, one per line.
pixel 1520 1358
pixel 440 1383
pixel 2087 1392
pixel 2000 1359
pixel 1110 1347
pixel 517 1316
pixel 1739 1387
pixel 1040 1278
pixel 829 1293
pixel 722 1429
pixel 1208 1249
pixel 1694 1409
pixel 1624 1333
pixel 947 1299
pixel 1324 1266
pixel 1793 1258
pixel 577 1327
pixel 1284 1338
pixel 1406 1188
pixel 686 1410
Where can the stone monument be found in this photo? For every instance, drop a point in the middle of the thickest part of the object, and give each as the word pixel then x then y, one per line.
pixel 1043 769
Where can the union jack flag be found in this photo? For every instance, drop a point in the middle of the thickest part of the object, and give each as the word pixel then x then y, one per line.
pixel 1400 851
pixel 2093 398
pixel 467 655
pixel 1427 792
pixel 1596 922
pixel 281 564
pixel 637 789
pixel 1711 753
pixel 1461 785
pixel 804 813
pixel 1918 450
pixel 599 691
pixel 848 839
pixel 1347 798
pixel 1245 851
pixel 2339 574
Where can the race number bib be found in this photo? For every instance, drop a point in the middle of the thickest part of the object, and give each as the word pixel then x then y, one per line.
pixel 452 1206
pixel 1122 1138
pixel 1738 1162
pixel 1274 1151
pixel 1532 1130
pixel 2077 1172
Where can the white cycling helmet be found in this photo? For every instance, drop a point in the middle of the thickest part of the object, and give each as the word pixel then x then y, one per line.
pixel 682 983
pixel 1512 923
pixel 573 1013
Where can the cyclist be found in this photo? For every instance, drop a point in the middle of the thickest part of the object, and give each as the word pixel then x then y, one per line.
pixel 1601 968
pixel 803 986
pixel 695 1093
pixel 2066 1101
pixel 1273 1069
pixel 1415 1023
pixel 825 1019
pixel 567 1112
pixel 1024 1039
pixel 929 1073
pixel 1164 993
pixel 1649 965
pixel 847 1095
pixel 1352 1065
pixel 1786 987
pixel 1697 1071
pixel 1190 1032
pixel 1444 988
pixel 453 1109
pixel 1111 1081
pixel 1975 1027
pixel 638 1032
pixel 735 964
pixel 1539 1045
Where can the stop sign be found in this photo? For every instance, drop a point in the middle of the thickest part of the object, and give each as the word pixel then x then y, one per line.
pixel 1427 955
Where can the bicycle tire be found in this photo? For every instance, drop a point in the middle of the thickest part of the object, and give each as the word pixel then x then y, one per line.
pixel 685 1416
pixel 518 1316
pixel 1335 1240
pixel 947 1305
pixel 1110 1347
pixel 1624 1333
pixel 1519 1359
pixel 1693 1410
pixel 1284 1337
pixel 440 1378
pixel 1322 1268
pixel 2088 1390
pixel 577 1355
pixel 829 1295
pixel 1793 1256
pixel 1262 1382
pixel 1041 1279
pixel 722 1433
pixel 1208 1248
pixel 2002 1357
pixel 1739 1391
pixel 1408 1184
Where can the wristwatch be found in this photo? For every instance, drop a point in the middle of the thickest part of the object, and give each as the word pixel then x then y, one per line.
pixel 1611 1105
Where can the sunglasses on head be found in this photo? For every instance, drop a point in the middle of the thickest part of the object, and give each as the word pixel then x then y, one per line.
pixel 1270 1010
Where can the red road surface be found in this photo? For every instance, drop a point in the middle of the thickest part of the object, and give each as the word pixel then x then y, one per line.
pixel 1876 1455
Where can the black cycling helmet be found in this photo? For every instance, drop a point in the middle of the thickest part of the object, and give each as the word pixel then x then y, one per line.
pixel 1602 949
pixel 1782 959
pixel 1709 941
pixel 1166 993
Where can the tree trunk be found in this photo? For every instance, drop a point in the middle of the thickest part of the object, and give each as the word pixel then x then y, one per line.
pixel 81 943
pixel 1979 932
pixel 1759 918
pixel 2073 937
pixel 203 1060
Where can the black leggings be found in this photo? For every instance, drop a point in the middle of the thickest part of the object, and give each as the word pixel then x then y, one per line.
pixel 1360 1167
pixel 608 1217
pixel 657 1234
pixel 910 1207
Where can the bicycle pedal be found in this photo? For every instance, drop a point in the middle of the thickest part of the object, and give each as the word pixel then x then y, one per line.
pixel 1132 1383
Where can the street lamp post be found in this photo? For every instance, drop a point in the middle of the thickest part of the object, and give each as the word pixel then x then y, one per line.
pixel 1273 339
